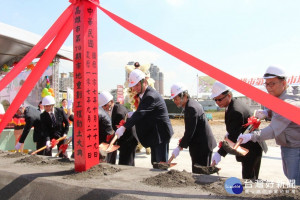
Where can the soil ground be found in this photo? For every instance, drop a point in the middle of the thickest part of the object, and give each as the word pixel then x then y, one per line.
pixel 22 173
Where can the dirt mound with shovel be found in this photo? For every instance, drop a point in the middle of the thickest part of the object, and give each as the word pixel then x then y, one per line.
pixel 172 178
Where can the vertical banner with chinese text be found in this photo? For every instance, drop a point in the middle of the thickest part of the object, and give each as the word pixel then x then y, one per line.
pixel 86 136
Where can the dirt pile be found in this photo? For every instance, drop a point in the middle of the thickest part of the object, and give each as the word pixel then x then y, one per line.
pixel 14 155
pixel 96 171
pixel 172 178
pixel 37 160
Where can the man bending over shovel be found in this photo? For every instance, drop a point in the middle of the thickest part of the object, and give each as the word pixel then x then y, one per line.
pixel 236 115
pixel 197 135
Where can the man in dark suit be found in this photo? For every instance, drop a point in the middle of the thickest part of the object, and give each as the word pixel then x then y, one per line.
pixel 32 119
pixel 128 142
pixel 151 118
pixel 54 123
pixel 236 115
pixel 198 135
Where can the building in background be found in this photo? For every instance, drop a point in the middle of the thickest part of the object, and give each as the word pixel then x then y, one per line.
pixel 155 74
pixel 65 81
pixel 158 77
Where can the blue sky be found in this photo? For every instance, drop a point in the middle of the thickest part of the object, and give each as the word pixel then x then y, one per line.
pixel 240 37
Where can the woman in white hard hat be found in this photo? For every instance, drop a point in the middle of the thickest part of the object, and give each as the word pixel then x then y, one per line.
pixel 236 115
pixel 151 118
pixel 197 135
pixel 285 132
pixel 54 122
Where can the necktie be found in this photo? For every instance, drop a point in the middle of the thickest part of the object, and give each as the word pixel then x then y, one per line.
pixel 53 119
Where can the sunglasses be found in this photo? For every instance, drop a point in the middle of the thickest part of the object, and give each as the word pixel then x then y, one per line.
pixel 216 100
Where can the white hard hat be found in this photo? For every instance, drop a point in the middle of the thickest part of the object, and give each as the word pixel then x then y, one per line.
pixel 48 100
pixel 176 89
pixel 104 97
pixel 2 110
pixel 218 88
pixel 135 76
pixel 273 72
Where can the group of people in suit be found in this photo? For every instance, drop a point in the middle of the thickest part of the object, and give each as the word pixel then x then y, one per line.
pixel 49 123
pixel 151 126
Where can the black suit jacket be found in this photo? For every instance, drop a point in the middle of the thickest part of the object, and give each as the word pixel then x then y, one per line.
pixel 151 119
pixel 118 113
pixel 62 124
pixel 197 129
pixel 236 116
pixel 32 119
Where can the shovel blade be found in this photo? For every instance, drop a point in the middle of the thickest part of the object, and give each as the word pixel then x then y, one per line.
pixel 104 147
pixel 241 150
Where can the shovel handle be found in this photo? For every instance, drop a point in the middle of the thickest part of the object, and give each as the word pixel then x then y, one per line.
pixel 238 143
pixel 112 142
pixel 213 163
pixel 170 160
pixel 44 147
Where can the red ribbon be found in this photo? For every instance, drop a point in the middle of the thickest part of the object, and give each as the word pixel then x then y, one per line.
pixel 63 148
pixel 54 142
pixel 37 72
pixel 121 123
pixel 275 104
pixel 253 123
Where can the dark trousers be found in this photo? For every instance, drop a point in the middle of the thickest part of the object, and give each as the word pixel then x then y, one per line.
pixel 251 162
pixel 127 155
pixel 250 168
pixel 160 152
pixel 40 144
pixel 199 156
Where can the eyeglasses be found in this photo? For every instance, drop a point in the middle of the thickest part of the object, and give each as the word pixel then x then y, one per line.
pixel 271 84
pixel 216 100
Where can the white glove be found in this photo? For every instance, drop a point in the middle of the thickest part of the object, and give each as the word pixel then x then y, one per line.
pixel 261 114
pixel 176 151
pixel 70 102
pixel 245 137
pixel 18 146
pixel 48 144
pixel 226 136
pixel 120 131
pixel 129 114
pixel 216 158
pixel 65 135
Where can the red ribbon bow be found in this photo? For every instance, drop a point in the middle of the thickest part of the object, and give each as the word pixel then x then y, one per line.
pixel 220 144
pixel 121 123
pixel 253 123
pixel 179 141
pixel 109 137
pixel 63 148
pixel 54 142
